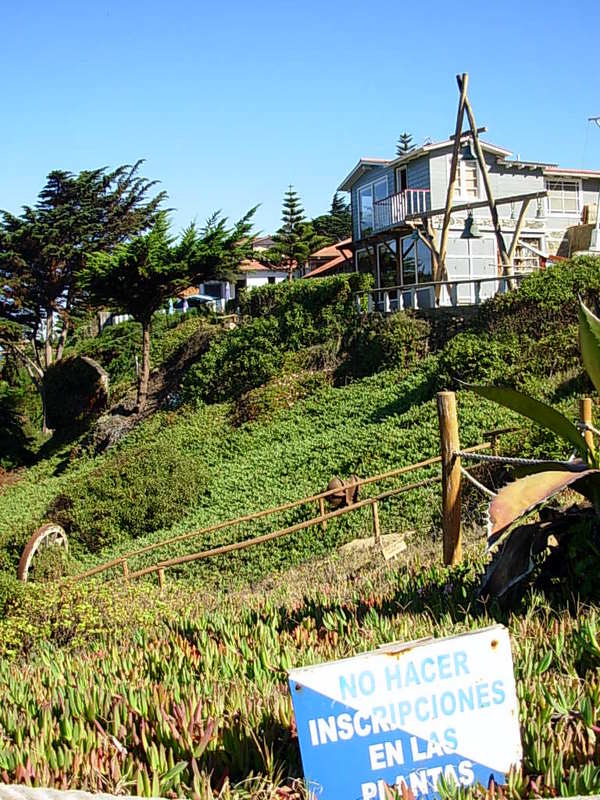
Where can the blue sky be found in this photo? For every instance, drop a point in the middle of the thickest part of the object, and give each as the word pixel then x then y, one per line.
pixel 229 102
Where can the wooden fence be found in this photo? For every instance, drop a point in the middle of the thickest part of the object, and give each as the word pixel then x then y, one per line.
pixel 123 563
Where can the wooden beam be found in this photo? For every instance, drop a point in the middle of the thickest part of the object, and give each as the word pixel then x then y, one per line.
pixel 466 134
pixel 520 220
pixel 487 185
pixel 463 83
pixel 501 201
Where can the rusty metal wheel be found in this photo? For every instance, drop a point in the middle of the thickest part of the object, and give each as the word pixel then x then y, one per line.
pixel 49 535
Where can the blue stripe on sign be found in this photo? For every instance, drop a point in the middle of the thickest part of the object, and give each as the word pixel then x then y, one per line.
pixel 347 756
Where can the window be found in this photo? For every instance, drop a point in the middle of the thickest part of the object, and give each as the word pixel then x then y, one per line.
pixel 387 264
pixel 416 262
pixel 367 197
pixel 526 260
pixel 467 180
pixel 363 262
pixel 563 197
pixel 271 279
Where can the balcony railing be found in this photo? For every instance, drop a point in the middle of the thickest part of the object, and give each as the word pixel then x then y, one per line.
pixel 433 294
pixel 394 209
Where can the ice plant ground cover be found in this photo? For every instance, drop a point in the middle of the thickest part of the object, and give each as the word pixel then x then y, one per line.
pixel 124 689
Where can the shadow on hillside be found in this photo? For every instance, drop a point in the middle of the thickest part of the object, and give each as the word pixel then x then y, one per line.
pixel 418 394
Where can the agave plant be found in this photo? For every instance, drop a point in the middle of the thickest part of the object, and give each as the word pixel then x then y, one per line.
pixel 538 483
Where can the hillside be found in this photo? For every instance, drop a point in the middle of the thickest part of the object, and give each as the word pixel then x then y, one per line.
pixel 304 389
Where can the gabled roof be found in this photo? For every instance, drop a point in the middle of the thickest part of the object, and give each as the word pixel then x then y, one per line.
pixel 331 250
pixel 365 164
pixel 323 269
pixel 252 265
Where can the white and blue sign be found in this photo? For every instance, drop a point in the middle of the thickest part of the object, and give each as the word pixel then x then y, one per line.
pixel 408 715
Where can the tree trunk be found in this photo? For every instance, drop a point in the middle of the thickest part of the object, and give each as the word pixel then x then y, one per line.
pixel 145 372
pixel 48 342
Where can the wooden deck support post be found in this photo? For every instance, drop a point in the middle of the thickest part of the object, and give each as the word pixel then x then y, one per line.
pixel 322 513
pixel 451 477
pixel 376 528
pixel 585 412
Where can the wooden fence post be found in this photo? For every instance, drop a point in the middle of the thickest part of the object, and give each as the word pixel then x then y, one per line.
pixel 322 513
pixel 376 528
pixel 585 412
pixel 451 476
pixel 125 570
pixel 161 578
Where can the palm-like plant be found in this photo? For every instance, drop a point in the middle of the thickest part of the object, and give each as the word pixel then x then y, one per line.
pixel 543 480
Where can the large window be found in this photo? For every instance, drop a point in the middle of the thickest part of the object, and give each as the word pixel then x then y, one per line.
pixel 416 262
pixel 388 273
pixel 563 197
pixel 467 180
pixel 364 263
pixel 367 197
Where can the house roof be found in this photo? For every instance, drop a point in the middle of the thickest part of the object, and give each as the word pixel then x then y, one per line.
pixel 427 147
pixel 252 265
pixel 582 173
pixel 322 269
pixel 331 250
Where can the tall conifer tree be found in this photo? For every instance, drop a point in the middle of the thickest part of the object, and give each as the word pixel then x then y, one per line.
pixel 404 144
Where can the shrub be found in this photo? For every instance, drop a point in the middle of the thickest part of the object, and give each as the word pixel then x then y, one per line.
pixel 545 300
pixel 242 360
pixel 477 358
pixel 137 491
pixel 264 402
pixel 385 342
pixel 14 442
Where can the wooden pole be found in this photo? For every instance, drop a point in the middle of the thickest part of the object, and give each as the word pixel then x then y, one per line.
pixel 463 83
pixel 125 570
pixel 585 412
pixel 488 187
pixel 451 477
pixel 517 233
pixel 376 528
pixel 322 513
pixel 161 578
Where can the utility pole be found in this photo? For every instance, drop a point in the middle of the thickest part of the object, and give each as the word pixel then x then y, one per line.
pixel 595 243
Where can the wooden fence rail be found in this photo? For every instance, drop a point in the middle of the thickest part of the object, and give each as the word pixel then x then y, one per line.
pixel 321 519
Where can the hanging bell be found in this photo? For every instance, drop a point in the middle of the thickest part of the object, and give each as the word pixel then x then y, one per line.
pixel 466 152
pixel 471 230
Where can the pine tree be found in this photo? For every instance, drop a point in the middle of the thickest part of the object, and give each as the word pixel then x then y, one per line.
pixel 337 224
pixel 296 239
pixel 404 144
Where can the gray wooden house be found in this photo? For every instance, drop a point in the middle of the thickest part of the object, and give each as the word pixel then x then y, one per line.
pixel 385 192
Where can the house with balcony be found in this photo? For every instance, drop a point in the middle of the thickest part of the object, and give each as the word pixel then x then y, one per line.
pixel 390 198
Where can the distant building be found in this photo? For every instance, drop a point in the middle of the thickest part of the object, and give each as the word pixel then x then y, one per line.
pixel 331 260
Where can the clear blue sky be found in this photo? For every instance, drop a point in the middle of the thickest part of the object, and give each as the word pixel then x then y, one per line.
pixel 231 101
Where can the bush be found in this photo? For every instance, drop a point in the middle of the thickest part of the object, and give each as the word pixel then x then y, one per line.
pixel 264 402
pixel 545 301
pixel 136 492
pixel 75 388
pixel 379 342
pixel 14 442
pixel 478 358
pixel 245 358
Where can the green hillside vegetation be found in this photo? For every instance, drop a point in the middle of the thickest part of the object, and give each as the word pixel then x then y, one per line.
pixel 304 389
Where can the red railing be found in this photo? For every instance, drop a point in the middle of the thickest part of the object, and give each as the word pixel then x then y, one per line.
pixel 394 209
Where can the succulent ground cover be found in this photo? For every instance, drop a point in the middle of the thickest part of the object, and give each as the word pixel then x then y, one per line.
pixel 180 693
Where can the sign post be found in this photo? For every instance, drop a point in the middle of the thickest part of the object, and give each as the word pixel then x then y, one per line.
pixel 409 715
